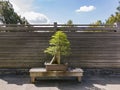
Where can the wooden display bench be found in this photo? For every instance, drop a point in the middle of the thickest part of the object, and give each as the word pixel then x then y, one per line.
pixel 41 72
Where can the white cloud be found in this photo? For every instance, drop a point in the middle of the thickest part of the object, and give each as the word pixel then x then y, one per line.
pixel 22 5
pixel 36 18
pixel 26 8
pixel 85 9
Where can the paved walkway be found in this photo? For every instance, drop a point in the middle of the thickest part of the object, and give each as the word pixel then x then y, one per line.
pixel 22 82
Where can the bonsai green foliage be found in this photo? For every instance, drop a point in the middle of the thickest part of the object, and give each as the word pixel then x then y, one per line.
pixel 59 45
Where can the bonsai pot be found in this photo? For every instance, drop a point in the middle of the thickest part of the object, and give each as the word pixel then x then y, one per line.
pixel 56 67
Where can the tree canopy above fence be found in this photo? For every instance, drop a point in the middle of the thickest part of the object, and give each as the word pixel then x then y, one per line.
pixel 8 15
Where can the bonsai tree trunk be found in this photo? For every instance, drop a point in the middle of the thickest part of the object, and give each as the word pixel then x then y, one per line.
pixel 56 58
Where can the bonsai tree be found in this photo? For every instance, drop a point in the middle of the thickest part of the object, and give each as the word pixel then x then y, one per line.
pixel 59 45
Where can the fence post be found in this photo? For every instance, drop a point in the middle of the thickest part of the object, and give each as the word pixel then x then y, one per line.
pixel 55 26
pixel 118 26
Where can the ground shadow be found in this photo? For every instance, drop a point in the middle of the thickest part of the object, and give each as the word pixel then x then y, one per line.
pixel 16 79
pixel 88 82
pixel 67 85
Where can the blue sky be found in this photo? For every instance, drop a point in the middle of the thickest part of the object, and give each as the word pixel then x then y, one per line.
pixel 79 11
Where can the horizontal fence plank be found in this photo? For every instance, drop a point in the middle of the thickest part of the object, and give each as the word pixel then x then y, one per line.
pixel 88 49
pixel 98 65
pixel 20 65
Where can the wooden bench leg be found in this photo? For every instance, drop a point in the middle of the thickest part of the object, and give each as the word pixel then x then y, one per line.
pixel 32 79
pixel 79 78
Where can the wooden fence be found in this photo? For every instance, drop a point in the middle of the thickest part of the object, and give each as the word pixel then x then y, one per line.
pixel 23 46
pixel 55 26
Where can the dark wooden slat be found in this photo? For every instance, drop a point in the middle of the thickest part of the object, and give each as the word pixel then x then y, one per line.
pixel 96 65
pixel 20 65
pixel 24 34
pixel 89 50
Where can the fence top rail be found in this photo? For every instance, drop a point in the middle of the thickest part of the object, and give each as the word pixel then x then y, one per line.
pixel 55 26
pixel 52 25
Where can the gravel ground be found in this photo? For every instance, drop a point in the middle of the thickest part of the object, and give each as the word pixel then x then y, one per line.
pixel 22 82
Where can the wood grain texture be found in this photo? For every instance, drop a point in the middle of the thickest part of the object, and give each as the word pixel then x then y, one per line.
pixel 88 49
